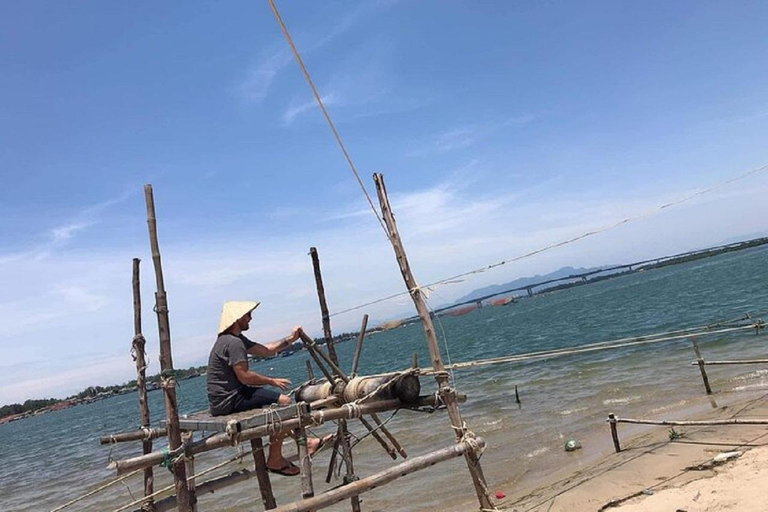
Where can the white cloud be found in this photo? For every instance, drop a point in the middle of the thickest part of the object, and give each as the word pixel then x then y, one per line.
pixel 66 232
pixel 295 110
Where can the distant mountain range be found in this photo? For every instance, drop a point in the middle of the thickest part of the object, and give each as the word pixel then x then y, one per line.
pixel 522 282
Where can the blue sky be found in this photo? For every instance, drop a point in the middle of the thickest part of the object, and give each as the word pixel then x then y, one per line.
pixel 500 127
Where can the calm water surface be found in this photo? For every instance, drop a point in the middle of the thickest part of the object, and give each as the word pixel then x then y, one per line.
pixel 49 459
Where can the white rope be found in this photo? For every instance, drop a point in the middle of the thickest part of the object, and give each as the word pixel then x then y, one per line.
pixel 353 409
pixel 582 349
pixel 273 420
pixel 171 487
pixel 94 491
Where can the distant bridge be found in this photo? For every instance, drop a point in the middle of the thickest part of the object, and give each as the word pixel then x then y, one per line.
pixel 630 267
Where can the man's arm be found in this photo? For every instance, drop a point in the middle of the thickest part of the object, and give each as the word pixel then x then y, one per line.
pixel 249 378
pixel 272 348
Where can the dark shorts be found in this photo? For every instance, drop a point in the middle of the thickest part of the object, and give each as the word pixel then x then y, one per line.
pixel 250 397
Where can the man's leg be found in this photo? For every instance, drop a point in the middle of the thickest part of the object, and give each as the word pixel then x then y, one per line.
pixel 275 460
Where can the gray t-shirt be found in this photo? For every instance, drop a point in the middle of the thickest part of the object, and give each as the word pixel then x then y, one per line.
pixel 222 382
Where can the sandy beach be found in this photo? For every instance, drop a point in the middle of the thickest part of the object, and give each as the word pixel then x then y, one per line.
pixel 653 473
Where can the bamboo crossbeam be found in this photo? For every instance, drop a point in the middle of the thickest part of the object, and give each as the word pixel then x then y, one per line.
pixel 683 423
pixel 613 421
pixel 135 435
pixel 383 477
pixel 284 427
pixel 750 361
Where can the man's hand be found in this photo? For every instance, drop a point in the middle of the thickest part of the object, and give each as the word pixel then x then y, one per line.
pixel 281 383
pixel 295 333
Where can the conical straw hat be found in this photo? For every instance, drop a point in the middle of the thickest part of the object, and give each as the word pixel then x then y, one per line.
pixel 234 310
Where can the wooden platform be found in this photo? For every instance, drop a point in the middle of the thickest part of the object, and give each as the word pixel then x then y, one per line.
pixel 240 420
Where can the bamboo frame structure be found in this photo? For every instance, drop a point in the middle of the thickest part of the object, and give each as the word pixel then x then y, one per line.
pixel 351 398
pixel 283 427
pixel 613 421
pixel 701 363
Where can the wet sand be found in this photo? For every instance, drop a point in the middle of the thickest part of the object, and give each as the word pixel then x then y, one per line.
pixel 653 473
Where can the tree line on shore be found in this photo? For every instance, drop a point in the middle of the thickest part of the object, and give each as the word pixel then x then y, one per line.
pixel 92 393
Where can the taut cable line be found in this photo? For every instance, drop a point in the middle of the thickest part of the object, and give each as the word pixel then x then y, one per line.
pixel 606 345
pixel 460 277
pixel 327 116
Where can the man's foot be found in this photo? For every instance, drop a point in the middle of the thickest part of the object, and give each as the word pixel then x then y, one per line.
pixel 289 469
pixel 315 444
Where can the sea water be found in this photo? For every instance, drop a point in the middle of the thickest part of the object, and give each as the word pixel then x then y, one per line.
pixel 50 459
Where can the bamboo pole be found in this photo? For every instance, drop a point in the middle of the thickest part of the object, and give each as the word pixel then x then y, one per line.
pixel 135 435
pixel 334 454
pixel 333 361
pixel 189 463
pixel 750 361
pixel 412 465
pixel 305 462
pixel 447 394
pixel 284 427
pixel 614 432
pixel 310 372
pixel 689 423
pixel 314 355
pixel 700 362
pixel 184 497
pixel 137 347
pixel 260 466
pixel 323 305
pixel 359 346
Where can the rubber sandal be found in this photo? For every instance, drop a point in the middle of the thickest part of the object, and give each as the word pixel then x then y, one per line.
pixel 286 470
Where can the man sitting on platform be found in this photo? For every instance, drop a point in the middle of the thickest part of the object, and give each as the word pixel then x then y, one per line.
pixel 232 387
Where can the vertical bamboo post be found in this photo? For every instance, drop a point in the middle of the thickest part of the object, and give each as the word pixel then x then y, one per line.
pixel 184 498
pixel 137 348
pixel 614 432
pixel 448 395
pixel 326 317
pixel 323 305
pixel 415 363
pixel 359 346
pixel 310 372
pixel 305 462
pixel 703 371
pixel 260 465
pixel 517 396
pixel 189 464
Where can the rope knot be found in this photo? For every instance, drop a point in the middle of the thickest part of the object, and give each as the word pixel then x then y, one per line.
pixel 353 410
